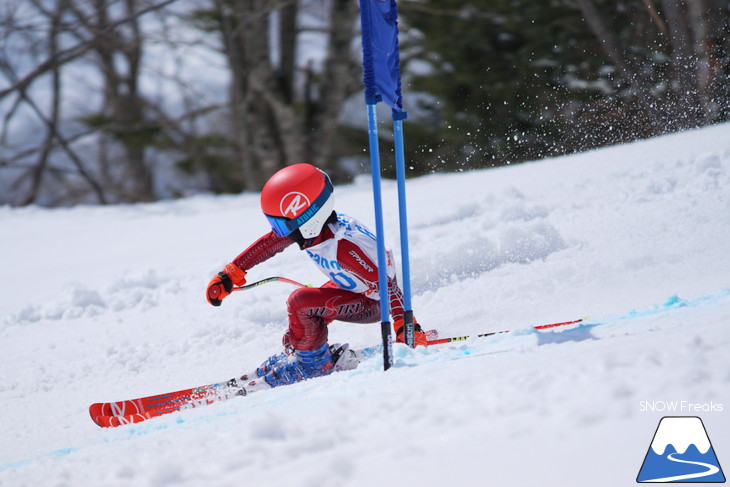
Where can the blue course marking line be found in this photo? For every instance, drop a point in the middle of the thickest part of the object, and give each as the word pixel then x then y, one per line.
pixel 671 303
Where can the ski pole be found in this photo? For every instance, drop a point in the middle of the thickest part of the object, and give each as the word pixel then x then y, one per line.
pixel 539 327
pixel 270 279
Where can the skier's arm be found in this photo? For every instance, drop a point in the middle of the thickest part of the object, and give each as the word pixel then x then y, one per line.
pixel 261 250
pixel 396 303
pixel 396 300
pixel 235 272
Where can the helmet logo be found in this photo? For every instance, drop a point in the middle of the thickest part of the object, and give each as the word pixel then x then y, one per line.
pixel 293 202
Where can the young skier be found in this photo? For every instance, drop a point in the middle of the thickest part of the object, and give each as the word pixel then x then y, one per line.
pixel 299 205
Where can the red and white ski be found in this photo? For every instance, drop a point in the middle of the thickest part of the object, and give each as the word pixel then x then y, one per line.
pixel 113 414
pixel 482 335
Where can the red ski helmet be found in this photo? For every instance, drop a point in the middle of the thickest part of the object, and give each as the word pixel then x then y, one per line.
pixel 298 197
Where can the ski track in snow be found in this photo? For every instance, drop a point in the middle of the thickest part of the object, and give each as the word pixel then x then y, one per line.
pixel 103 304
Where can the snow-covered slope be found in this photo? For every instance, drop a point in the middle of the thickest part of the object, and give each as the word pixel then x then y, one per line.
pixel 101 304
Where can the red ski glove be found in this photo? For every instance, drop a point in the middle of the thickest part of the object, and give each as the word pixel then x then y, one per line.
pixel 419 337
pixel 222 284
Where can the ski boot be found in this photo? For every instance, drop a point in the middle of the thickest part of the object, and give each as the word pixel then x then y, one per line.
pixel 286 369
pixel 343 358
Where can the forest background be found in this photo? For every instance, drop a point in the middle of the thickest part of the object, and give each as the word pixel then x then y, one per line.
pixel 119 101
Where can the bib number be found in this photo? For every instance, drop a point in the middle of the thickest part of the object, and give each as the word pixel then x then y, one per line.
pixel 342 280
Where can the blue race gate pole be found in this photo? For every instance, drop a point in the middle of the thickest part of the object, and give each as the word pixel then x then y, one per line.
pixel 380 233
pixel 400 170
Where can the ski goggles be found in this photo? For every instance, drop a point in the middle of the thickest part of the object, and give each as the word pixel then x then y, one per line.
pixel 283 226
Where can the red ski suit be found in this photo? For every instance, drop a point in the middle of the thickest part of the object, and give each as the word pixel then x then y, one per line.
pixel 346 253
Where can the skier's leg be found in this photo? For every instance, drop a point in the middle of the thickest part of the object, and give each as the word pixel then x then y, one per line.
pixel 310 311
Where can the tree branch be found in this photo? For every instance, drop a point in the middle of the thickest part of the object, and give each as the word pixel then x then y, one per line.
pixel 72 53
pixel 54 131
pixel 655 16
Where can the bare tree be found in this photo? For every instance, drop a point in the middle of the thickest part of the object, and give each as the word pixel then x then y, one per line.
pixel 337 83
pixel 72 53
pixel 274 122
pixel 116 44
pixel 278 111
pixel 53 136
pixel 118 53
pixel 709 23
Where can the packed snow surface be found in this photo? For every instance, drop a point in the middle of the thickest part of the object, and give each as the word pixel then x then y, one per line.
pixel 107 303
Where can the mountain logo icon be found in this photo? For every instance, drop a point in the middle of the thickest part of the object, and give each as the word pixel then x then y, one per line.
pixel 681 452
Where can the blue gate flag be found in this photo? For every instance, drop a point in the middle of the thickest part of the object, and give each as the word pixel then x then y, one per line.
pixel 381 59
